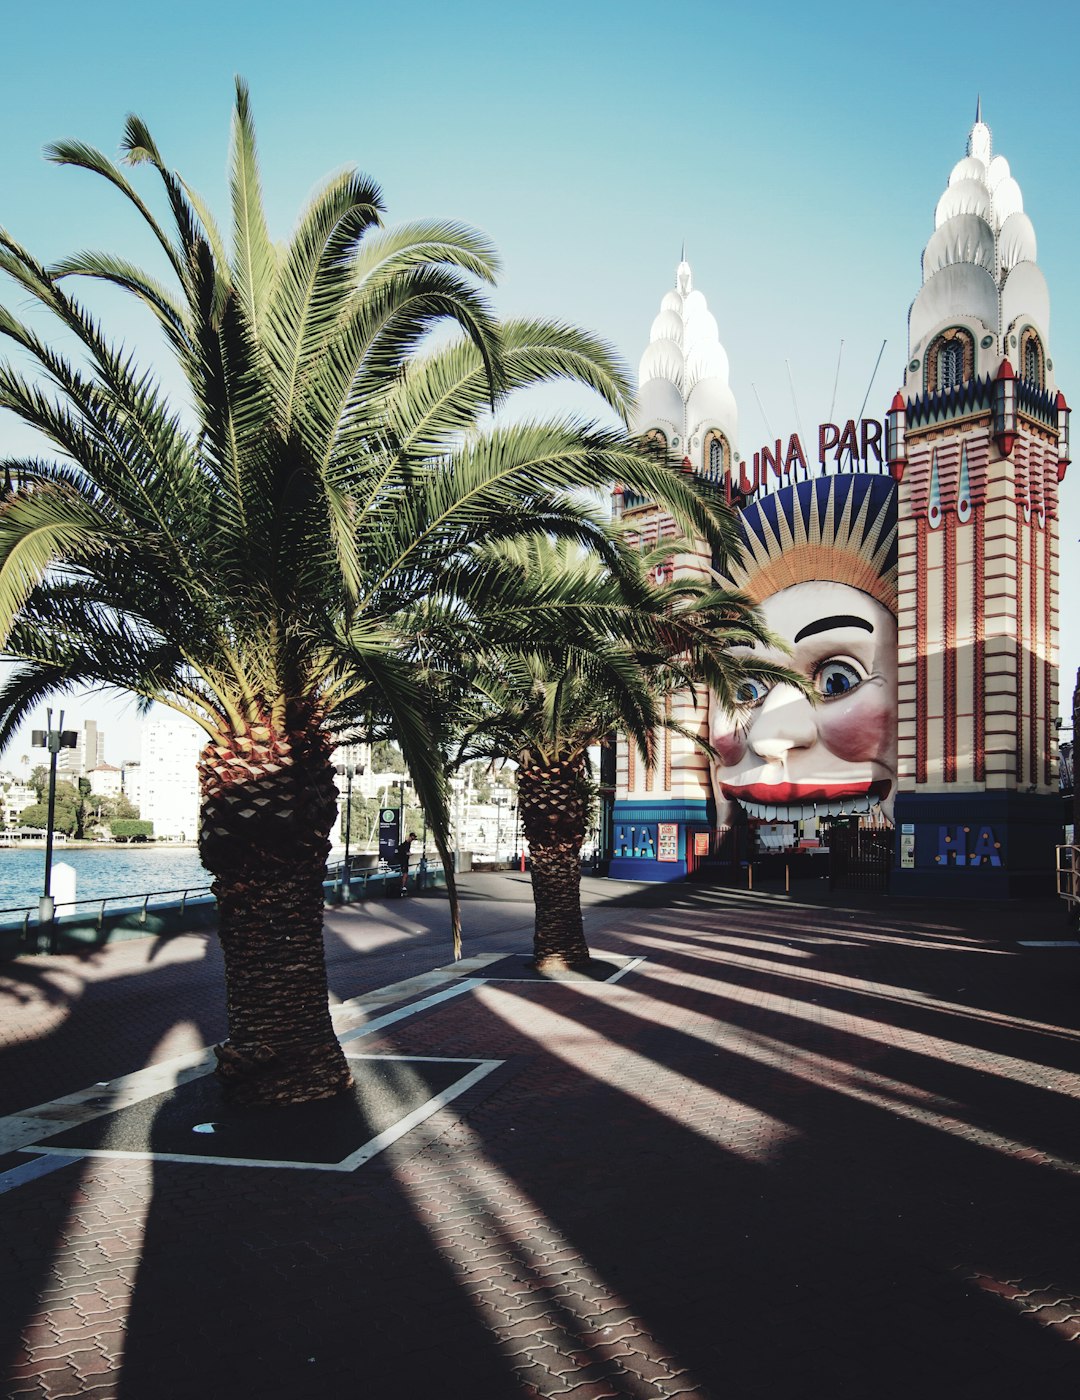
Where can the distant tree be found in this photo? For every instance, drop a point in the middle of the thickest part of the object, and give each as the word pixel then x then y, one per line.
pixel 131 830
pixel 479 779
pixel 363 821
pixel 39 781
pixel 37 815
pixel 386 757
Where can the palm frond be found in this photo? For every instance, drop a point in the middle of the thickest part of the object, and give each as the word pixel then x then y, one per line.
pixel 254 255
pixel 85 157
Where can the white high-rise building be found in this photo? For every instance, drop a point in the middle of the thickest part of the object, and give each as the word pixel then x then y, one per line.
pixel 131 781
pixel 89 752
pixel 170 782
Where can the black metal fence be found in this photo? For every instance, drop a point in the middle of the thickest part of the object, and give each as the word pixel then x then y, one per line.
pixel 860 859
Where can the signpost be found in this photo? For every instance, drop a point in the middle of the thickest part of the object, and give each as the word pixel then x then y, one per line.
pixel 389 834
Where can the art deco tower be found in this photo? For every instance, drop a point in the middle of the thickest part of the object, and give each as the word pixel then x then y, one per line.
pixel 979 441
pixel 684 400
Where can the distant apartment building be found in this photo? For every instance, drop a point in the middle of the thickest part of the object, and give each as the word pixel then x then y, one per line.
pixel 131 782
pixel 15 797
pixel 105 780
pixel 170 783
pixel 88 753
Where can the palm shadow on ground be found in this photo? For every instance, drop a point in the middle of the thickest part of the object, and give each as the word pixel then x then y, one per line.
pixel 817 1195
pixel 776 1230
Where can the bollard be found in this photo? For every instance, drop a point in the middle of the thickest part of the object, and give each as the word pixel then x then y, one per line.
pixel 46 937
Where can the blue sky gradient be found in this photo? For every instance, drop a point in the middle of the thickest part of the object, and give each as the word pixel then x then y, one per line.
pixel 799 151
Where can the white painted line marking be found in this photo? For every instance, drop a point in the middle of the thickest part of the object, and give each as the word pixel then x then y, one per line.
pixel 347 1164
pixel 29 1171
pixel 634 962
pixel 467 984
pixel 1048 943
pixel 384 1139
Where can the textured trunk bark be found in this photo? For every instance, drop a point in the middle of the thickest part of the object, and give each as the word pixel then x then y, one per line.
pixel 282 1047
pixel 268 805
pixel 553 801
pixel 559 936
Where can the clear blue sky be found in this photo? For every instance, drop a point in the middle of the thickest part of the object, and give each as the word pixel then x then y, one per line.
pixel 798 150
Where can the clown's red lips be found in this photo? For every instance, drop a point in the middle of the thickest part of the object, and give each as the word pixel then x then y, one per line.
pixel 779 794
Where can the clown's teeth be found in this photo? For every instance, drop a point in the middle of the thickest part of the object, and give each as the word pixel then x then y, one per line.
pixel 804 811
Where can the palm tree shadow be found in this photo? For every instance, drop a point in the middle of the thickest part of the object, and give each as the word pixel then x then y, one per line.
pixel 110 1038
pixel 299 1276
pixel 788 1263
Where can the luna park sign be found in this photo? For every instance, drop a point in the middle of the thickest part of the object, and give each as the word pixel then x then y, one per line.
pixel 853 446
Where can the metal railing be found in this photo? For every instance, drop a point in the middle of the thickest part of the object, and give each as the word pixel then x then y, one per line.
pixel 69 912
pixel 121 902
pixel 375 878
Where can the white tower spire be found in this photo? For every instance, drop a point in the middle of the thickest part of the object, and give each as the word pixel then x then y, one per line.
pixel 683 390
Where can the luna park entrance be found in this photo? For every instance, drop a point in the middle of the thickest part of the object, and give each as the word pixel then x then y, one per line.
pixel 849 853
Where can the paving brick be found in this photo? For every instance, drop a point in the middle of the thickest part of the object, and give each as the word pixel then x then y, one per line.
pixel 773 1154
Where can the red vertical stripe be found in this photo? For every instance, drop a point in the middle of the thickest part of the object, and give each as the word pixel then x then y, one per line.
pixel 1048 677
pixel 667 747
pixel 949 604
pixel 1019 769
pixel 979 669
pixel 921 706
pixel 1033 655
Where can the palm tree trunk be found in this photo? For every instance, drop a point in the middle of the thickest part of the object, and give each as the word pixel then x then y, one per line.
pixel 282 1047
pixel 268 805
pixel 553 800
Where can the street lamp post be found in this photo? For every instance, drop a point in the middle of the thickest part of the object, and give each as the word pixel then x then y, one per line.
pixel 53 740
pixel 348 771
pixel 500 803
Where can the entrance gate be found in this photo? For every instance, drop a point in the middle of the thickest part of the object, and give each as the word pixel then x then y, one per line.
pixel 860 859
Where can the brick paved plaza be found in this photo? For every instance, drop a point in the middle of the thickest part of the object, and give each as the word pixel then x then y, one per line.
pixel 791 1150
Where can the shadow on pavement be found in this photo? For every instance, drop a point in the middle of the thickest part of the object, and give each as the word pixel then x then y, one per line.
pixel 798 1153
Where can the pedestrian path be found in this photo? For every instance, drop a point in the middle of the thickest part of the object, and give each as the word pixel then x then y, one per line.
pixel 778 1150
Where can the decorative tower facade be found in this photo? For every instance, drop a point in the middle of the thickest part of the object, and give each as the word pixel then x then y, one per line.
pixel 662 817
pixel 978 441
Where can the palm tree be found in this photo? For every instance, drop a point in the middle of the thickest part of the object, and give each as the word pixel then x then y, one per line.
pixel 258 556
pixel 587 646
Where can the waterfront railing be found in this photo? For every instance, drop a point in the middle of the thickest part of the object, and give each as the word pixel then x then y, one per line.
pixel 78 923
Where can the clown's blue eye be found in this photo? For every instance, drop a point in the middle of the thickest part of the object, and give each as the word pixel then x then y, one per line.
pixel 751 692
pixel 835 678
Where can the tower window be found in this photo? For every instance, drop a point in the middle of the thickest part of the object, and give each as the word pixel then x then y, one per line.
pixel 950 360
pixel 1031 358
pixel 950 365
pixel 717 455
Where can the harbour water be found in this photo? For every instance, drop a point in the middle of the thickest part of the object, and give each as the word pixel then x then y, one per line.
pixel 101 871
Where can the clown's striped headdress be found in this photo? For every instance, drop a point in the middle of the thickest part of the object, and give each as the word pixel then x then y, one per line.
pixel 840 529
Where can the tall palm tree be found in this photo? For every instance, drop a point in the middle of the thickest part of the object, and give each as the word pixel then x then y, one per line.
pixel 257 556
pixel 577 646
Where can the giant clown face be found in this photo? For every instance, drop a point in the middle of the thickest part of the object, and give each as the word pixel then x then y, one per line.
pixel 786 759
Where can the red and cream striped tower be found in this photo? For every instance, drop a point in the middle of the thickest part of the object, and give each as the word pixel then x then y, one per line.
pixel 978 440
pixel 661 817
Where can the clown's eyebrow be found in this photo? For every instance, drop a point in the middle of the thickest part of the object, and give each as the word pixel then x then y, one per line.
pixel 826 624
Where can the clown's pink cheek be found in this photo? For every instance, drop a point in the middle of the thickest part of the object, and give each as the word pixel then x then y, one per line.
pixel 859 729
pixel 730 747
